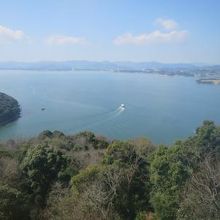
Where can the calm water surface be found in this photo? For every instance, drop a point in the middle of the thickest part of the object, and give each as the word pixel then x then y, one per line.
pixel 162 108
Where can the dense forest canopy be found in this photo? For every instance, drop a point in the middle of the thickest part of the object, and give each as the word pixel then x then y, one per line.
pixel 84 176
pixel 9 109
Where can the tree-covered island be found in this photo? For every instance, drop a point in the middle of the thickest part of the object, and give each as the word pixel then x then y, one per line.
pixel 9 109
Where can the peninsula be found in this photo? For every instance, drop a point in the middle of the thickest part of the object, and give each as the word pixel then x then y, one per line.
pixel 215 81
pixel 9 109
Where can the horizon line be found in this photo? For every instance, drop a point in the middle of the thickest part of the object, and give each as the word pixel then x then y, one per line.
pixel 110 61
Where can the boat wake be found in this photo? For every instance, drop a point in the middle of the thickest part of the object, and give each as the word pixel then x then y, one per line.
pixel 107 117
pixel 119 110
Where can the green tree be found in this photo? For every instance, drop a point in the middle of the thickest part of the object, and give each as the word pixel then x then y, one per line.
pixel 13 204
pixel 119 187
pixel 170 169
pixel 206 139
pixel 41 167
pixel 133 192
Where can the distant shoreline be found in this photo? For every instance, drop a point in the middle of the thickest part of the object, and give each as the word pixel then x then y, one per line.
pixel 202 75
pixel 209 81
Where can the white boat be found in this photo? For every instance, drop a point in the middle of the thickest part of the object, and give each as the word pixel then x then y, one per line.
pixel 122 106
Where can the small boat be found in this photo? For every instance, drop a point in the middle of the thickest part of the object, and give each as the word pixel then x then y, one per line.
pixel 43 109
pixel 122 106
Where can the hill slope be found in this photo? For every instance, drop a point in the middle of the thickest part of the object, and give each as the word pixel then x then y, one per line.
pixel 9 109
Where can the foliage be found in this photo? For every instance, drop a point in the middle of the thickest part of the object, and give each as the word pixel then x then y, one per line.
pixel 12 205
pixel 9 109
pixel 170 168
pixel 201 195
pixel 120 186
pixel 41 167
pixel 84 176
pixel 206 139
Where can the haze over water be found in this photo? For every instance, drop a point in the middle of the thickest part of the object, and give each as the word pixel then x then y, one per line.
pixel 162 108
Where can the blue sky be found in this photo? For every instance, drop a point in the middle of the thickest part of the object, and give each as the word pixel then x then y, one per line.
pixel 116 30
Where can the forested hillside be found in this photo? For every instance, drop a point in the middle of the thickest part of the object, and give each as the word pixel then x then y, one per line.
pixel 9 109
pixel 84 176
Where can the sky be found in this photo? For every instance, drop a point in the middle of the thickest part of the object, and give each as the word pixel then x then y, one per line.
pixel 169 31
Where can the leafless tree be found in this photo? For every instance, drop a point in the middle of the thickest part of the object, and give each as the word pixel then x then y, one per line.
pixel 201 197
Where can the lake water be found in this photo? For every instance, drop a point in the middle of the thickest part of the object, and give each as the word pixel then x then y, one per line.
pixel 162 108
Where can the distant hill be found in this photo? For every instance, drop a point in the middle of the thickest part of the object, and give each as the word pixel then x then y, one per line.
pixel 9 109
pixel 171 69
pixel 102 65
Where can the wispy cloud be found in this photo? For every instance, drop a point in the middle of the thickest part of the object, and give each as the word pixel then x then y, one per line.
pixel 153 37
pixel 167 24
pixel 10 35
pixel 65 40
pixel 171 34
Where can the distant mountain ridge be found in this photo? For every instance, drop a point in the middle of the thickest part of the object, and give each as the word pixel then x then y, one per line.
pixel 98 65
